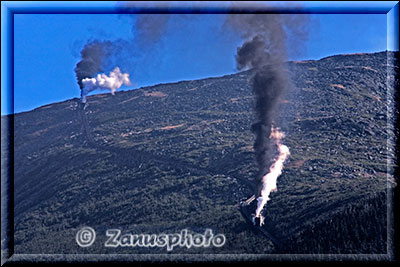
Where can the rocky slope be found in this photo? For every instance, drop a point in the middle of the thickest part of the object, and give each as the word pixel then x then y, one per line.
pixel 179 156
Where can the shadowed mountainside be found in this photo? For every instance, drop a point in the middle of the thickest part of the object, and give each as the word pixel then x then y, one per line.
pixel 179 156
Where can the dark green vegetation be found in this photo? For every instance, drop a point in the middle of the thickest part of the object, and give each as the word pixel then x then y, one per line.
pixel 179 156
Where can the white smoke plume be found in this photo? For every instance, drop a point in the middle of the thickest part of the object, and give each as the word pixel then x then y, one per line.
pixel 112 82
pixel 269 180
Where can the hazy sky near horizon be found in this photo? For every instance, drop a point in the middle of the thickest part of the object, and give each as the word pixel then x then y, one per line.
pixel 47 48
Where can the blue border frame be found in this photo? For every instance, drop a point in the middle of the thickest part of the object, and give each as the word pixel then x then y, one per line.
pixel 8 9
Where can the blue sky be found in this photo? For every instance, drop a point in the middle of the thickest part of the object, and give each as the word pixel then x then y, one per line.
pixel 47 46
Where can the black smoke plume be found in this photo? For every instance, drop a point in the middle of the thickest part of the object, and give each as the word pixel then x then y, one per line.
pixel 93 59
pixel 265 52
pixel 268 86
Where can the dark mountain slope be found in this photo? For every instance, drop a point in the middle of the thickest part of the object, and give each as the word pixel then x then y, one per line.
pixel 179 156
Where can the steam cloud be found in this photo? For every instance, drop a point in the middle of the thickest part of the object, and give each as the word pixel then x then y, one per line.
pixel 269 180
pixel 112 82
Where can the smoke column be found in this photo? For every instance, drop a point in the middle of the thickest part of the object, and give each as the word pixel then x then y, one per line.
pixel 264 50
pixel 93 58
